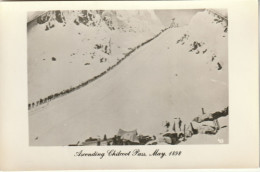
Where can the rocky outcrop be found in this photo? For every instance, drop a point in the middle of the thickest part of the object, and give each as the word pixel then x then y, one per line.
pixel 203 41
pixel 177 131
pixel 211 116
pixel 114 20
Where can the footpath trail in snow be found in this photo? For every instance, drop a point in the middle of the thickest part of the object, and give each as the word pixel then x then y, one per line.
pixel 159 81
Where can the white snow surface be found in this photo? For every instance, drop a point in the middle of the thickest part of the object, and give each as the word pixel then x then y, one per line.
pixel 160 80
pixel 73 46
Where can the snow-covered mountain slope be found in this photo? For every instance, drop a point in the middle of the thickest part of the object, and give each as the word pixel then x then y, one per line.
pixel 159 81
pixel 66 48
pixel 206 36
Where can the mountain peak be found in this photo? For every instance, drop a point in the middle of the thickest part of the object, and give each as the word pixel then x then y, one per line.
pixel 130 21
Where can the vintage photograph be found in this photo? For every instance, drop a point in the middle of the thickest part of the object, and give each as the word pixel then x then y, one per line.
pixel 128 77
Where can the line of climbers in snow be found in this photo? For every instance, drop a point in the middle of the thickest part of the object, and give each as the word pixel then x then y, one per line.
pixel 71 89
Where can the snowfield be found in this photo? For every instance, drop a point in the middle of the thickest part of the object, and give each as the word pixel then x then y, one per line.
pixel 161 80
pixel 81 50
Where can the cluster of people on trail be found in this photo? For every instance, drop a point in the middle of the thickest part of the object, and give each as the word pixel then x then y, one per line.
pixel 62 93
pixel 67 91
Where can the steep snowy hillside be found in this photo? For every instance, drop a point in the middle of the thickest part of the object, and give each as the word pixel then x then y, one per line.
pixel 176 74
pixel 66 48
pixel 206 36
